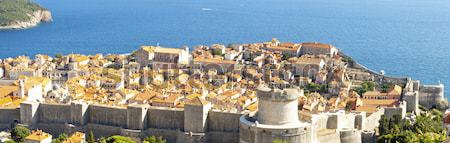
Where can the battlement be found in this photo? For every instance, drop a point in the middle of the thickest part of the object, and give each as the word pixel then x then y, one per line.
pixel 275 94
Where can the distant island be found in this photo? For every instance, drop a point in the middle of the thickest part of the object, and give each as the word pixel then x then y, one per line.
pixel 20 14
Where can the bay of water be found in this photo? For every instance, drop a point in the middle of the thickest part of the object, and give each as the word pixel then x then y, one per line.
pixel 401 37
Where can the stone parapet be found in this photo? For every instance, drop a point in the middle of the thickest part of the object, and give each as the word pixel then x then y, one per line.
pixel 266 93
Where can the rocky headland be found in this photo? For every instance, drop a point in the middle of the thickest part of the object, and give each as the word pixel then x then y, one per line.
pixel 21 14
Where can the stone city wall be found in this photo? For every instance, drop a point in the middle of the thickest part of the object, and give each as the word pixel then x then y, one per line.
pixel 431 95
pixel 8 116
pixel 341 120
pixel 350 136
pixel 105 115
pixel 54 113
pixel 223 127
pixel 377 76
pixel 373 119
pixel 135 121
pixel 164 118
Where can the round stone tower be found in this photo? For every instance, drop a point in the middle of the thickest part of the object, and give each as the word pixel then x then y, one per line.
pixel 278 107
pixel 276 120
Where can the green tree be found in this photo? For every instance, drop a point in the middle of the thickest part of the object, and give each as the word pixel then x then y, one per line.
pixel 154 139
pixel 19 133
pixel 10 141
pixel 217 52
pixel 119 139
pixel 286 56
pixel 90 137
pixel 58 56
pixel 384 125
pixel 102 140
pixel 278 141
pixel 385 87
pixel 427 128
pixel 347 59
pixel 313 87
pixel 360 90
pixel 150 139
pixel 365 86
pixel 60 138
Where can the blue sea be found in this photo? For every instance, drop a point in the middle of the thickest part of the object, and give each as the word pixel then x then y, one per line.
pixel 401 37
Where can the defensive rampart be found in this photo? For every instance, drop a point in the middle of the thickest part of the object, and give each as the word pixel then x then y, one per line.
pixel 137 121
pixel 8 116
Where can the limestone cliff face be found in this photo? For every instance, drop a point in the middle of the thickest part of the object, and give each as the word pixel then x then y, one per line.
pixel 35 18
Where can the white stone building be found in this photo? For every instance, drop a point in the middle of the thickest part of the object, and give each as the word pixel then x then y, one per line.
pixel 151 56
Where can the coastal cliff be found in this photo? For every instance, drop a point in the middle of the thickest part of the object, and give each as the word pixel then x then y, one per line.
pixel 35 18
pixel 21 14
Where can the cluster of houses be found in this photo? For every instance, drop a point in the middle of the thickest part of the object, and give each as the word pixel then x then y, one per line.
pixel 38 136
pixel 226 76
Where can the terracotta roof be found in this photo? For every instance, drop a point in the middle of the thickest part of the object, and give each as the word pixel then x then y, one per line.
pixel 367 109
pixel 293 48
pixel 7 90
pixel 76 137
pixel 196 101
pixel 380 102
pixel 38 135
pixel 161 49
pixel 212 60
pixel 447 118
pixel 395 90
pixel 146 95
pixel 316 45
pixel 230 93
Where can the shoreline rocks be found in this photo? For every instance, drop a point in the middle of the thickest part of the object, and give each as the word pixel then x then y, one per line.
pixel 35 18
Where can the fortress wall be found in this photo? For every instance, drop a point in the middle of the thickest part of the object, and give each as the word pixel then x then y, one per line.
pixel 170 135
pixel 52 128
pixel 165 118
pixel 341 120
pixel 53 113
pixel 223 127
pixel 103 130
pixel 222 137
pixel 319 121
pixel 79 113
pixel 412 98
pixel 137 117
pixel 223 122
pixel 360 120
pixel 431 95
pixel 373 119
pixel 246 134
pixel 350 136
pixel 378 76
pixel 110 116
pixel 8 115
pixel 4 126
pixel 29 112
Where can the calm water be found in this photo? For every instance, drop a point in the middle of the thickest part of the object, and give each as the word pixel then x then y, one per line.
pixel 402 37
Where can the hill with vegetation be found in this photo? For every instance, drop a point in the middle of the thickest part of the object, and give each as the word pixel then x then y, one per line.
pixel 16 14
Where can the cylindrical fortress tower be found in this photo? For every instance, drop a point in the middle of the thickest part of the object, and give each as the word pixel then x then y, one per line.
pixel 278 107
pixel 350 136
pixel 276 120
